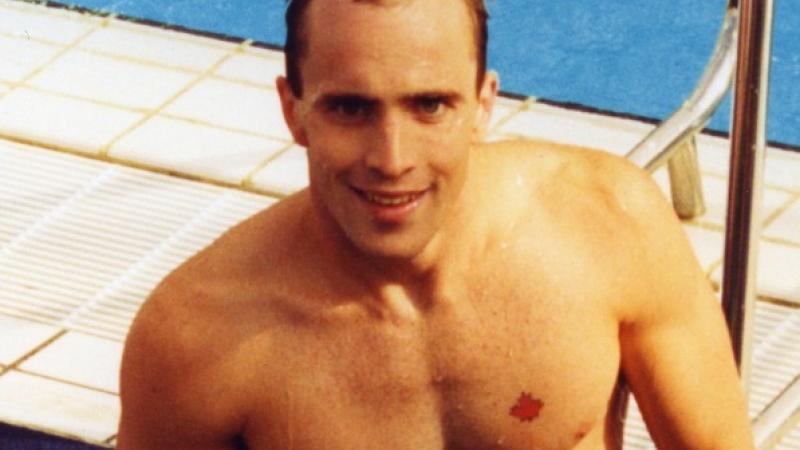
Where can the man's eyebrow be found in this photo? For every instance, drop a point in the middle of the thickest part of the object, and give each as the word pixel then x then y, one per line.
pixel 446 95
pixel 343 97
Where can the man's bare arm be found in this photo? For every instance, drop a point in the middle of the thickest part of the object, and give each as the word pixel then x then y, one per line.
pixel 166 383
pixel 676 352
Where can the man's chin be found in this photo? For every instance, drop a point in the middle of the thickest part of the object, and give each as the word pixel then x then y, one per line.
pixel 395 249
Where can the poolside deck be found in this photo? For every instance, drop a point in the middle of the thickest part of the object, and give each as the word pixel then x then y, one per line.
pixel 125 148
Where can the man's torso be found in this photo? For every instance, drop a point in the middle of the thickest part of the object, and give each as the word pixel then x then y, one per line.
pixel 522 354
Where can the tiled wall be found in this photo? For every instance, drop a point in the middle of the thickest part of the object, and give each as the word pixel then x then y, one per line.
pixel 132 96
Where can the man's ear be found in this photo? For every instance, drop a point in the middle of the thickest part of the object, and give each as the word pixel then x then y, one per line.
pixel 486 98
pixel 291 113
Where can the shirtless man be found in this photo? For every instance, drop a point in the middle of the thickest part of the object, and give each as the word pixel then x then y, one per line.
pixel 429 291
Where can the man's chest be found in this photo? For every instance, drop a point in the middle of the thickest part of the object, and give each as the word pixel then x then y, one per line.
pixel 483 376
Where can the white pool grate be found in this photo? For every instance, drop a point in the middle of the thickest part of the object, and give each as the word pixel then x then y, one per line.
pixel 83 242
pixel 776 361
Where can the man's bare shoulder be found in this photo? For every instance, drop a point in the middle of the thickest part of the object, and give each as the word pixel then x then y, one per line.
pixel 238 272
pixel 591 206
pixel 574 179
pixel 194 337
pixel 554 158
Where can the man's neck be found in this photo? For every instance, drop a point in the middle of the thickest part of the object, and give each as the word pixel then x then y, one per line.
pixel 400 286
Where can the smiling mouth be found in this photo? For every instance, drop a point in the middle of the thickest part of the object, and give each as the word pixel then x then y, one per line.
pixel 390 199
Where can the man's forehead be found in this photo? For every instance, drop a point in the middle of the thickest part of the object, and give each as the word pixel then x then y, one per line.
pixel 341 9
pixel 377 50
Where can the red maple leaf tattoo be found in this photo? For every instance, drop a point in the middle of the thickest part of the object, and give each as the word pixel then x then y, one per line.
pixel 527 408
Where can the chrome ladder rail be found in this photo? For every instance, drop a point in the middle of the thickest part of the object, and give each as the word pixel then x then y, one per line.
pixel 749 23
pixel 672 141
pixel 748 151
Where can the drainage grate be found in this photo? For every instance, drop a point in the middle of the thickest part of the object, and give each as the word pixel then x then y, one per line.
pixel 83 242
pixel 776 361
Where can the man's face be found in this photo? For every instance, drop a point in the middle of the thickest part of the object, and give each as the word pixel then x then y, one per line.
pixel 389 113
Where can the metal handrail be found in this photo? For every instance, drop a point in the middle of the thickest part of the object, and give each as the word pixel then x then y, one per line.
pixel 661 143
pixel 748 150
pixel 744 43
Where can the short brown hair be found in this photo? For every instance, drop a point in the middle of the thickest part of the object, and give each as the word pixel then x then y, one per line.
pixel 296 38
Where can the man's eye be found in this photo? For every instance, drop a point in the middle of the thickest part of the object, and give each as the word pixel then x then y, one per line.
pixel 350 109
pixel 431 106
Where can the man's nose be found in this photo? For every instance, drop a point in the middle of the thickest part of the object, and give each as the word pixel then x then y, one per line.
pixel 388 153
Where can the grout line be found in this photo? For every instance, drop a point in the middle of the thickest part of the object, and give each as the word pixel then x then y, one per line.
pixel 521 107
pixel 145 111
pixel 710 226
pixel 766 184
pixel 80 13
pixel 70 383
pixel 175 68
pixel 780 210
pixel 139 61
pixel 789 303
pixel 780 241
pixel 44 41
pixel 98 102
pixel 38 319
pixel 182 33
pixel 248 83
pixel 164 31
pixel 217 126
pixel 709 271
pixel 248 179
pixel 117 23
pixel 15 364
pixel 142 166
pixel 24 80
pixel 151 114
pixel 716 265
pixel 98 334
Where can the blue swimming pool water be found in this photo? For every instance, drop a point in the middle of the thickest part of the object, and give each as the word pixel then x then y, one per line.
pixel 640 57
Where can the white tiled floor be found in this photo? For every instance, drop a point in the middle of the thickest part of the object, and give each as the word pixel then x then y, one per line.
pixel 787 225
pixel 107 80
pixel 251 67
pixel 45 404
pixel 62 122
pixel 21 337
pixel 58 27
pixel 576 128
pixel 207 152
pixel 199 108
pixel 285 174
pixel 715 192
pixel 778 271
pixel 22 56
pixel 232 105
pixel 164 49
pixel 81 359
pixel 708 245
pixel 782 169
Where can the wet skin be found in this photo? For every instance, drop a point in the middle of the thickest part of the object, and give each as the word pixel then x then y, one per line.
pixel 430 291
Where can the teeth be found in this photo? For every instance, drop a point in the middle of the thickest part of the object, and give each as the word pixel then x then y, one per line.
pixel 389 201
